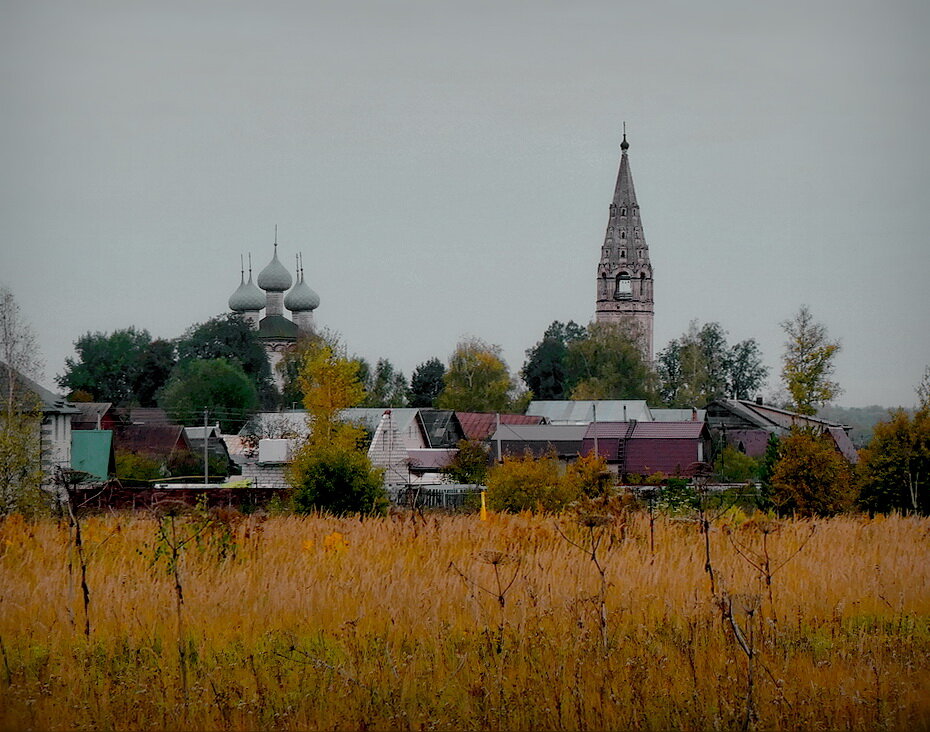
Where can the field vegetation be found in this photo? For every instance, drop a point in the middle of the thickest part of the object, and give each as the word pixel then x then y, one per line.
pixel 222 621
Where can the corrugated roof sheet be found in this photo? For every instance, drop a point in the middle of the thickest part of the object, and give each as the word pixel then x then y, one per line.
pixel 51 402
pixel 91 452
pixel 540 432
pixel 481 425
pixel 844 444
pixel 276 424
pixel 646 430
pixel 149 415
pixel 678 415
pixel 88 412
pixel 582 411
pixel 754 442
pixel 668 430
pixel 156 439
pixel 607 430
pixel 769 417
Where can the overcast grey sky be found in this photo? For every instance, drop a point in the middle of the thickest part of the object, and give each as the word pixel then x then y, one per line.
pixel 446 168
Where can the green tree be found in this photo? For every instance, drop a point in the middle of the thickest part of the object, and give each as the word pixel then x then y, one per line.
pixel 608 364
pixel 544 372
pixel 808 363
pixel 746 373
pixel 156 363
pixel 700 366
pixel 895 467
pixel 527 483
pixel 231 337
pixel 767 469
pixel 108 366
pixel 477 379
pixel 811 477
pixel 329 470
pixel 426 383
pixel 20 412
pixel 386 386
pixel 218 385
pixel 470 464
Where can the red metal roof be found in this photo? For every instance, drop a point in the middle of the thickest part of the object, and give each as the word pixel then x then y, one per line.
pixel 481 425
pixel 646 430
pixel 668 430
pixel 607 430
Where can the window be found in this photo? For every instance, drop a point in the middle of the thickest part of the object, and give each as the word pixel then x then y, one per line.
pixel 624 288
pixel 623 235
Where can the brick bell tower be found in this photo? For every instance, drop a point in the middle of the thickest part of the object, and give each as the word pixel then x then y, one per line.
pixel 624 275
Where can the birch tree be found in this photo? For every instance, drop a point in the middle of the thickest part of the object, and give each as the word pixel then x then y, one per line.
pixel 21 415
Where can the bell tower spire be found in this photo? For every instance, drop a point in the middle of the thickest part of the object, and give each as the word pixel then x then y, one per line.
pixel 624 274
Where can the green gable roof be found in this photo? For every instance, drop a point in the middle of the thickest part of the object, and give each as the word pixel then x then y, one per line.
pixel 92 452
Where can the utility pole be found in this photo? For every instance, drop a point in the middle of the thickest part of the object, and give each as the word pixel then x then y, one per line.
pixel 499 457
pixel 206 464
pixel 597 452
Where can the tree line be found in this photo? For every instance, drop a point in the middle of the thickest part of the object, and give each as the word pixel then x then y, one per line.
pixel 220 364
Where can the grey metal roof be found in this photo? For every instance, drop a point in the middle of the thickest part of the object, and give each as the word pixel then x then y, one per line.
pixel 51 402
pixel 678 415
pixel 582 411
pixel 90 411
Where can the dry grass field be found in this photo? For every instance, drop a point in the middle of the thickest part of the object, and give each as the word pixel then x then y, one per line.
pixel 447 622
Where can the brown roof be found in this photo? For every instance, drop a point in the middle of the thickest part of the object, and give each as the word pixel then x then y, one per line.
pixel 481 425
pixel 154 439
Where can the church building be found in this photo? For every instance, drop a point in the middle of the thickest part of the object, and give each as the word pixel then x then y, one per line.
pixel 624 274
pixel 277 332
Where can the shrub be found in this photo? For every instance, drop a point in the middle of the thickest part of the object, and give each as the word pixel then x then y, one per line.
pixel 470 464
pixel 337 480
pixel 734 466
pixel 588 476
pixel 529 483
pixel 136 466
pixel 811 477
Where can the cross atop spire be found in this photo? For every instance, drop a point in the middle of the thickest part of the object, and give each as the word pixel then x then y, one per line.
pixel 624 146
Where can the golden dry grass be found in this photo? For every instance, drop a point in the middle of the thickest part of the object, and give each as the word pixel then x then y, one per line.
pixel 326 623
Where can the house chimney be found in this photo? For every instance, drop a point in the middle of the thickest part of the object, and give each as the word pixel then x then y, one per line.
pixel 759 400
pixel 693 414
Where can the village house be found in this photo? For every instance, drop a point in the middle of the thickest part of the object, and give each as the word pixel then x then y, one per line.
pixel 747 425
pixel 644 448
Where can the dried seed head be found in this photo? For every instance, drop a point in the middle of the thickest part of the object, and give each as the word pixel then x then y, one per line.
pixel 495 557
